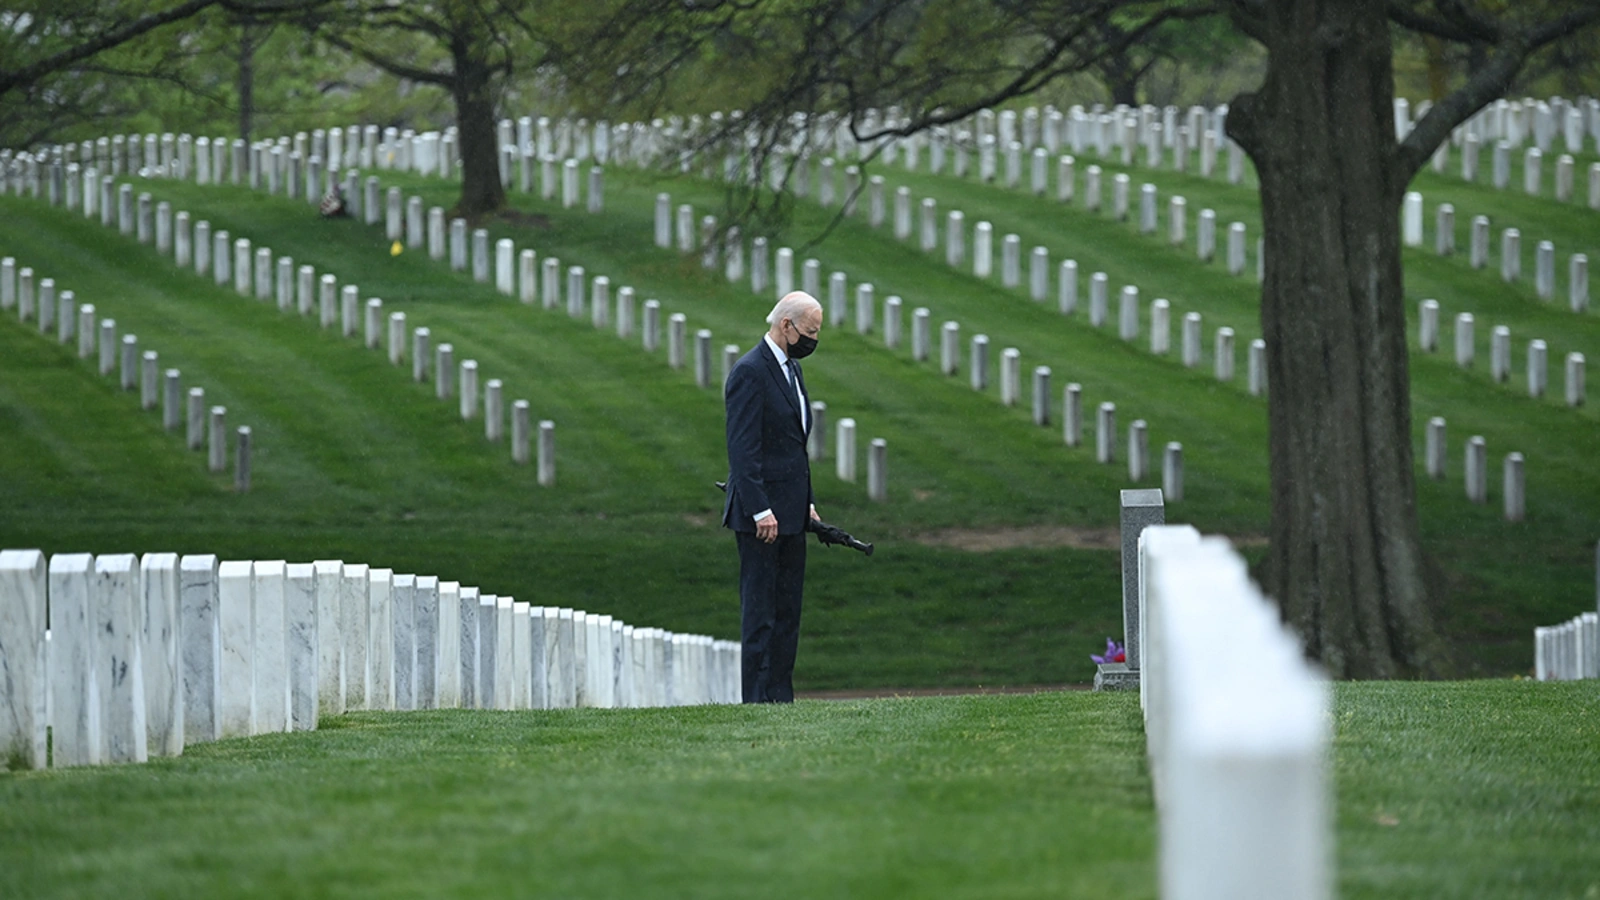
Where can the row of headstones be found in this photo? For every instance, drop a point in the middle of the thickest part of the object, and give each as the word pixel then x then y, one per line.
pixel 218 160
pixel 1160 132
pixel 1244 732
pixel 1157 131
pixel 991 134
pixel 669 141
pixel 1513 480
pixel 142 656
pixel 983 267
pixel 1500 353
pixel 409 221
pixel 1411 232
pixel 207 159
pixel 1039 272
pixel 1475 470
pixel 1515 121
pixel 796 173
pixel 731 250
pixel 547 138
pixel 520 274
pixel 136 370
pixel 1010 268
pixel 1094 200
pixel 301 165
pixel 253 272
pixel 297 162
pixel 1513 475
pixel 523 275
pixel 1569 651
pixel 1532 170
pixel 991 154
pixel 1039 267
pixel 567 181
pixel 1038 280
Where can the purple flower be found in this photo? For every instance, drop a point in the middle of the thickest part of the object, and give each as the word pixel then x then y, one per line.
pixel 1114 654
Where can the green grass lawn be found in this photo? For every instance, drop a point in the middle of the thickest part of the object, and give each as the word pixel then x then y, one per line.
pixel 1444 790
pixel 354 461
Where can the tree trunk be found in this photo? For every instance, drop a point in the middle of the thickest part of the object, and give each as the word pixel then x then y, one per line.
pixel 1345 562
pixel 481 189
pixel 247 79
pixel 1122 79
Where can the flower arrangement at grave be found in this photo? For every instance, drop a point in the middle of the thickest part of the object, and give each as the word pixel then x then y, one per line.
pixel 1115 653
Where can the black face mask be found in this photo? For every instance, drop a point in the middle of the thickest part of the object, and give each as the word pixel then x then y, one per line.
pixel 803 345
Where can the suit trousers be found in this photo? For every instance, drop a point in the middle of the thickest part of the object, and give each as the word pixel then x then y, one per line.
pixel 771 580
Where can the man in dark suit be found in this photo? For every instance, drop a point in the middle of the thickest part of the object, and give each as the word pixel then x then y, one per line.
pixel 769 493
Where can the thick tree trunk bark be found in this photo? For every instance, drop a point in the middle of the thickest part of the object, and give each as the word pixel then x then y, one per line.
pixel 1121 79
pixel 481 189
pixel 1345 563
pixel 247 79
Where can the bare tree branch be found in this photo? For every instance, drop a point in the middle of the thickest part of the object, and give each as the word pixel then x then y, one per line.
pixel 400 70
pixel 1484 85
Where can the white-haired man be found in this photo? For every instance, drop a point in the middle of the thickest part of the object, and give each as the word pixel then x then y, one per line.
pixel 769 493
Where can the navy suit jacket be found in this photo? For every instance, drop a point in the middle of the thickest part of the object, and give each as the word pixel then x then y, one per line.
pixel 767 463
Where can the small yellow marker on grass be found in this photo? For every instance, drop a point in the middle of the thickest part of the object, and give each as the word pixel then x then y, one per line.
pixel 394 249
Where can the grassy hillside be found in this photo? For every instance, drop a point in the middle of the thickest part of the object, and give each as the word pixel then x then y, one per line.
pixel 355 461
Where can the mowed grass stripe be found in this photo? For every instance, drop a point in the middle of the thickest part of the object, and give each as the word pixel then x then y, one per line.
pixel 730 309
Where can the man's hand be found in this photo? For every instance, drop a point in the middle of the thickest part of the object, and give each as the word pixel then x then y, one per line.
pixel 767 529
pixel 814 516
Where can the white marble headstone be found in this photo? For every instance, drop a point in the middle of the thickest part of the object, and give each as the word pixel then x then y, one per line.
pixel 596 660
pixel 328 577
pixel 538 652
pixel 236 615
pixel 270 660
pixel 380 596
pixel 22 659
pixel 559 660
pixel 580 659
pixel 504 678
pixel 162 651
pixel 404 622
pixel 449 654
pixel 521 656
pixel 467 653
pixel 488 650
pixel 301 627
pixel 201 653
pixel 117 659
pixel 425 671
pixel 355 630
pixel 604 660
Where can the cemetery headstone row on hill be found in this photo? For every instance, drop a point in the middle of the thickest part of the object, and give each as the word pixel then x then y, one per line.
pixel 252 273
pixel 1570 651
pixel 145 655
pixel 122 359
pixel 271 163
